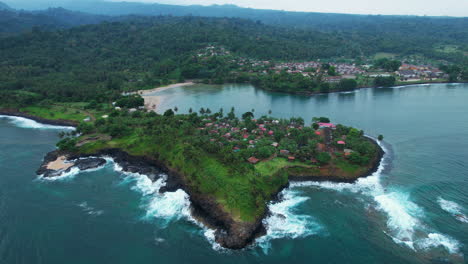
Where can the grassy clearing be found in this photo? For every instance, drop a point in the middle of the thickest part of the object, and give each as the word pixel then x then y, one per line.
pixel 271 167
pixel 67 111
pixel 381 55
pixel 447 48
pixel 55 112
pixel 347 167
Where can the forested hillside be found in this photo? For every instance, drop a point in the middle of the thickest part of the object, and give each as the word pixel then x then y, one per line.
pixel 87 61
pixel 12 21
pixel 4 6
pixel 436 37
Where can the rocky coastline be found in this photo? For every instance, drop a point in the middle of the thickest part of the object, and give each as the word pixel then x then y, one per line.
pixel 58 122
pixel 371 170
pixel 229 233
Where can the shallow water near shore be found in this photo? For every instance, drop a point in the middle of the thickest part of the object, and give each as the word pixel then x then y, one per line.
pixel 413 210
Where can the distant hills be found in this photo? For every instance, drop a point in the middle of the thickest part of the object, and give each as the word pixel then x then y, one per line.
pixel 438 27
pixel 435 37
pixel 4 6
pixel 14 21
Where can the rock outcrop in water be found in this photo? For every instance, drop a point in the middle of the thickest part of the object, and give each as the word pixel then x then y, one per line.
pixel 81 163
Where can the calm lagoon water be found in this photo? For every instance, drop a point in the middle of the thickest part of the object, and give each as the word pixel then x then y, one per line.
pixel 414 210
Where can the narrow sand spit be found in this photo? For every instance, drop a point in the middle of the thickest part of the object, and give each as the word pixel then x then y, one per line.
pixel 152 101
pixel 60 164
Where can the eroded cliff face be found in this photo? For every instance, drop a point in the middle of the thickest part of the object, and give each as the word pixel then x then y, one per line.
pixel 230 233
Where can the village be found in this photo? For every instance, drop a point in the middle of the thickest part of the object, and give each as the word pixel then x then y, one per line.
pixel 264 139
pixel 332 72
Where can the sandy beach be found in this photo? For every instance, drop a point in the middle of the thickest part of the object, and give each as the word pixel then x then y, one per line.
pixel 60 164
pixel 152 101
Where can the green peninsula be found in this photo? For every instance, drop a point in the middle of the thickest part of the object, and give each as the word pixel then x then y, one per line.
pixel 231 167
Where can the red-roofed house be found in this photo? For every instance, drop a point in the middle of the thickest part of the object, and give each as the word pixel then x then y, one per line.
pixel 341 142
pixel 253 160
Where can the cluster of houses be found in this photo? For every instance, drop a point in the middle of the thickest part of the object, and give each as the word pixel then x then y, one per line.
pixel 241 138
pixel 411 72
pixel 406 72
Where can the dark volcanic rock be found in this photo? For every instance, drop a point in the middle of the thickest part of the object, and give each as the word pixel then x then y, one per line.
pixel 229 233
pixel 82 164
pixel 89 163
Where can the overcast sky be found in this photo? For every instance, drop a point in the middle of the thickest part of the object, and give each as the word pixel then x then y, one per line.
pixel 385 7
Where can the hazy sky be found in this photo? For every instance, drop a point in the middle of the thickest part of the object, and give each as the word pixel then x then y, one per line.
pixel 398 7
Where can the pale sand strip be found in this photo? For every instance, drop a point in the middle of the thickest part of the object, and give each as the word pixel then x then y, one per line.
pixel 152 101
pixel 59 164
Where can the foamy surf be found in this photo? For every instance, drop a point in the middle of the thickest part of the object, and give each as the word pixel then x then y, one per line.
pixel 63 176
pixel 168 206
pixel 453 208
pixel 284 222
pixel 29 123
pixel 74 171
pixel 405 219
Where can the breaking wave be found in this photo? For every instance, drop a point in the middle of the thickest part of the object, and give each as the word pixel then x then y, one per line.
pixel 29 123
pixel 74 171
pixel 453 208
pixel 285 222
pixel 404 224
pixel 167 206
pixel 63 176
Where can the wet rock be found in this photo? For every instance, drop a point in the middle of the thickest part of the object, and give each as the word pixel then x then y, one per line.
pixel 89 163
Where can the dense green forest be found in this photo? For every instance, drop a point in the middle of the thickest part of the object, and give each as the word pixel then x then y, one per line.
pixel 99 61
pixel 12 21
pixel 405 35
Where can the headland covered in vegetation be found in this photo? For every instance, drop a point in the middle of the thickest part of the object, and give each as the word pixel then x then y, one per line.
pixel 231 167
pixel 89 76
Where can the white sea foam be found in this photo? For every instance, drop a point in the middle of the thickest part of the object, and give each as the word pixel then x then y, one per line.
pixel 453 208
pixel 28 123
pixel 90 210
pixel 63 176
pixel 404 222
pixel 436 240
pixel 74 171
pixel 166 206
pixel 285 222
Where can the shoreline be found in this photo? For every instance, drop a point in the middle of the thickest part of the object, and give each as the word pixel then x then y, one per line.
pixel 356 89
pixel 228 232
pixel 45 121
pixel 153 101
